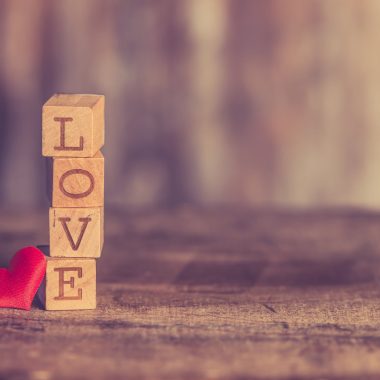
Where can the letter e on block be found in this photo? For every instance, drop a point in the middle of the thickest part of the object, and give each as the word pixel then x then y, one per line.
pixel 78 182
pixel 69 284
pixel 72 125
pixel 76 232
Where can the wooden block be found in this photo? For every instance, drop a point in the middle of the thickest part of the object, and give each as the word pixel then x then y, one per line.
pixel 69 284
pixel 76 232
pixel 73 125
pixel 78 182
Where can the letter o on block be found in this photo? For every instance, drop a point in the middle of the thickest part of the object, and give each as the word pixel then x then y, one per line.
pixel 73 172
pixel 78 182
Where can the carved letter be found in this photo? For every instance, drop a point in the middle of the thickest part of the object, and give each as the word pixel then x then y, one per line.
pixel 84 221
pixel 62 282
pixel 77 195
pixel 62 145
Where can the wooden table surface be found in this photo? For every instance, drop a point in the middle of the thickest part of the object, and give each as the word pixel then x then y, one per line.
pixel 216 294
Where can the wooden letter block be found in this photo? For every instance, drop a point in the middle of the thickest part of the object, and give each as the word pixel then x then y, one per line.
pixel 76 232
pixel 78 182
pixel 69 284
pixel 72 125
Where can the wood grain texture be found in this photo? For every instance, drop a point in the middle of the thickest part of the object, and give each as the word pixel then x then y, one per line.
pixel 69 284
pixel 76 232
pixel 77 182
pixel 210 294
pixel 73 125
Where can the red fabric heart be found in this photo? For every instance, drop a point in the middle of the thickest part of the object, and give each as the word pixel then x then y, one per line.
pixel 19 283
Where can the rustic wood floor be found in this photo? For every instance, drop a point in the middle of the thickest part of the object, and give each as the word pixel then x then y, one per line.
pixel 217 294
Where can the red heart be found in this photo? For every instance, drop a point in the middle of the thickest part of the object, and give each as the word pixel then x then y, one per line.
pixel 19 283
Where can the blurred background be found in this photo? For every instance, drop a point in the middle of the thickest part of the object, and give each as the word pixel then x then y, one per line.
pixel 207 101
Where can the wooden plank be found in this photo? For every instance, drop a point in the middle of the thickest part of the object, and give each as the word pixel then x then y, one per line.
pixel 211 294
pixel 76 232
pixel 73 125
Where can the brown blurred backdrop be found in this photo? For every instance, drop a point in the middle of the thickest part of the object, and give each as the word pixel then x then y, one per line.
pixel 208 101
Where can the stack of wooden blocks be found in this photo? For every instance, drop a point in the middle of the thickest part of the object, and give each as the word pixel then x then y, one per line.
pixel 72 136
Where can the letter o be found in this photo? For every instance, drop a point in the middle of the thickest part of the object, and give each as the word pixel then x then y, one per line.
pixel 73 172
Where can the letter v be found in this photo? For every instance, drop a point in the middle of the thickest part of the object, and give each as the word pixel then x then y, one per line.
pixel 85 222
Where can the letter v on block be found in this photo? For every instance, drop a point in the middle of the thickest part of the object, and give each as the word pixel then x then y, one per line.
pixel 76 232
pixel 65 220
